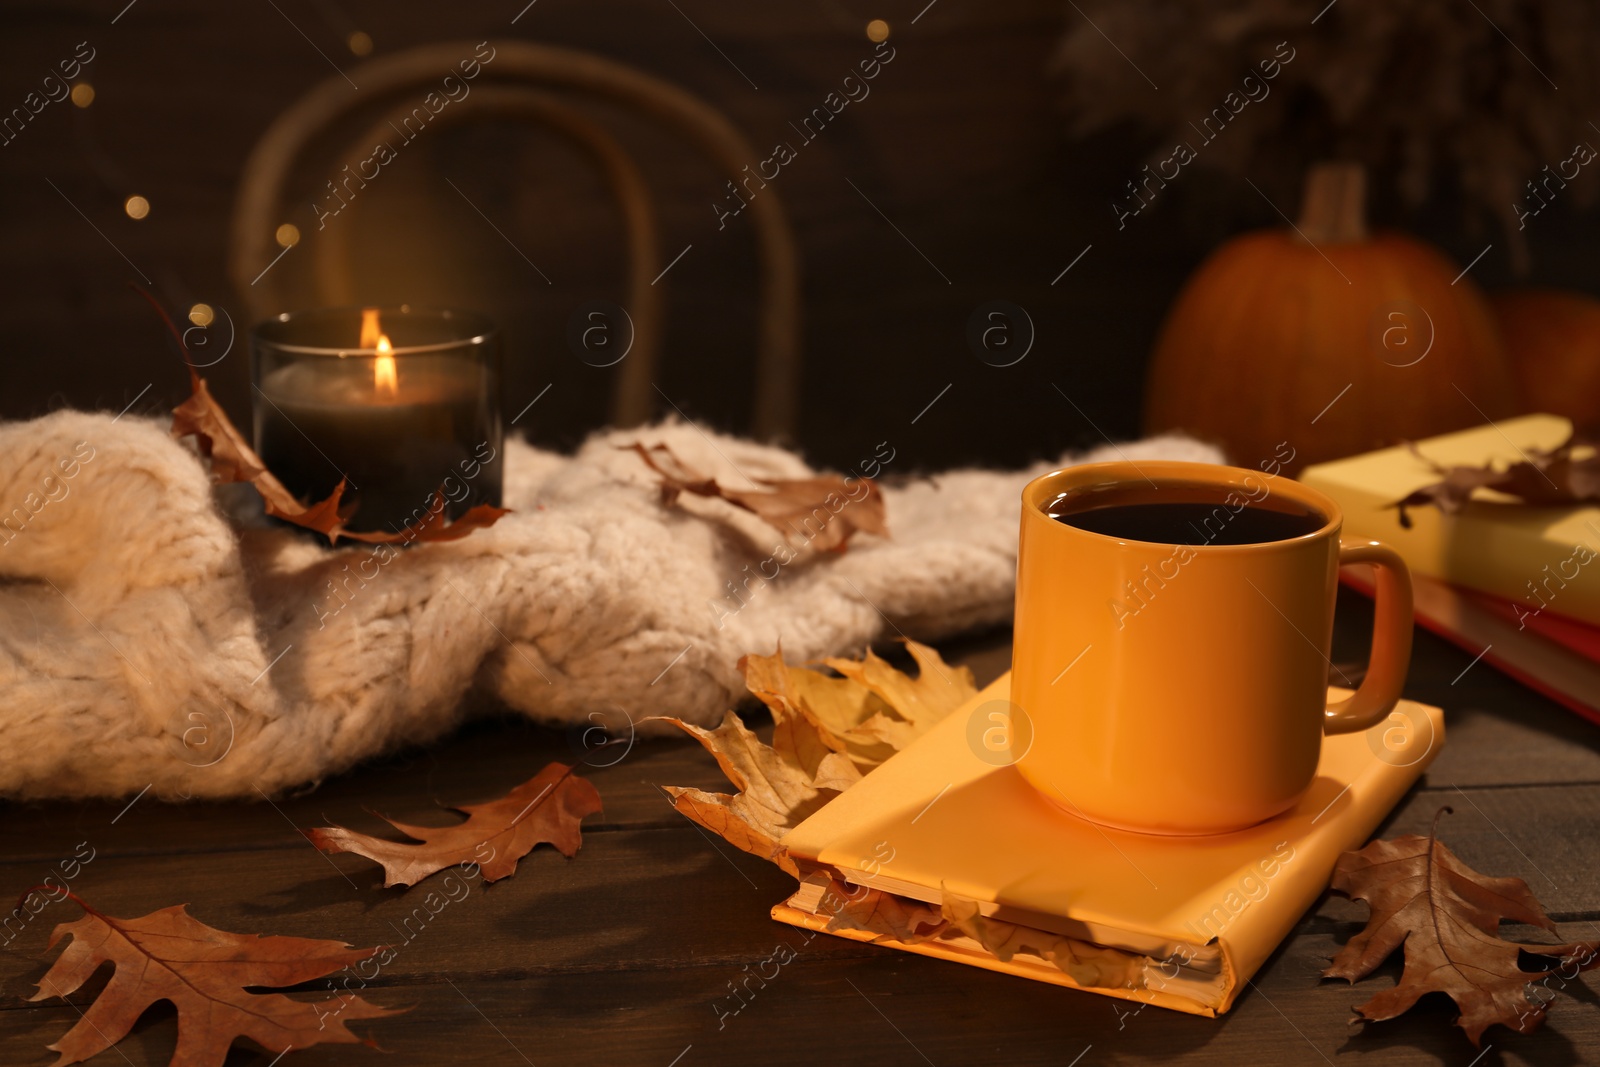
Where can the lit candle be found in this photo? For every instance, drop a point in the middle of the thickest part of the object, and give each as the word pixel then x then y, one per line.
pixel 400 420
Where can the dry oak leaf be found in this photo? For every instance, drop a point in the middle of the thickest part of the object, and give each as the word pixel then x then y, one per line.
pixel 1565 475
pixel 546 809
pixel 206 974
pixel 1448 917
pixel 1086 964
pixel 820 511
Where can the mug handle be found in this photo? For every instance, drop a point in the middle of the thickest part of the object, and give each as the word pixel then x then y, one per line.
pixel 1391 640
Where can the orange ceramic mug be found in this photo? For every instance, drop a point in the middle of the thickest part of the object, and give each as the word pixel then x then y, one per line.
pixel 1179 684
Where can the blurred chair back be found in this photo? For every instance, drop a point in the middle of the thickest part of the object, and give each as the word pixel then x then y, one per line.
pixel 521 84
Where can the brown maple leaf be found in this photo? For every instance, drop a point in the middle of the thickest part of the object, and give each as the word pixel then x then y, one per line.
pixel 206 974
pixel 1564 475
pixel 1448 917
pixel 233 460
pixel 818 510
pixel 546 809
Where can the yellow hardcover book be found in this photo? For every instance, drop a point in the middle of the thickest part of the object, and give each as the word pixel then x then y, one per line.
pixel 1542 558
pixel 1194 916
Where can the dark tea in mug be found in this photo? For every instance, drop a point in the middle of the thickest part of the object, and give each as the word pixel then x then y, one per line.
pixel 1179 514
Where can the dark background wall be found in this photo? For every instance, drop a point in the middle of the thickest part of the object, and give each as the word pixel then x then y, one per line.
pixel 960 144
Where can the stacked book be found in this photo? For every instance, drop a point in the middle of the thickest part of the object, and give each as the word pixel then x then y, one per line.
pixel 1518 586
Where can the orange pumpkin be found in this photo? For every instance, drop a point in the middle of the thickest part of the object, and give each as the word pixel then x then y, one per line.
pixel 1327 339
pixel 1553 340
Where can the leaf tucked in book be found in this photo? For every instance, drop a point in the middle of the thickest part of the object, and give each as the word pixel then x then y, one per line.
pixel 825 511
pixel 885 915
pixel 1088 965
pixel 826 733
pixel 890 917
pixel 1448 918
pixel 1565 475
pixel 208 975
pixel 546 809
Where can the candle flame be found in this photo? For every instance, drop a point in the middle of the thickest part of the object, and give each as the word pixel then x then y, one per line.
pixel 385 376
pixel 385 379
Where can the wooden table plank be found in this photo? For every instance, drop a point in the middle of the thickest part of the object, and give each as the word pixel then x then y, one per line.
pixel 630 899
pixel 481 761
pixel 649 898
pixel 888 1008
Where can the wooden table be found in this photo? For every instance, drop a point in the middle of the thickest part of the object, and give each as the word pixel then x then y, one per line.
pixel 616 957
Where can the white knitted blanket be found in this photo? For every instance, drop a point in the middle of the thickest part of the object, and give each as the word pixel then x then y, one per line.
pixel 146 641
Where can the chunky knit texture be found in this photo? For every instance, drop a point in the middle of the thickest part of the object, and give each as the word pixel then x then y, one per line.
pixel 148 641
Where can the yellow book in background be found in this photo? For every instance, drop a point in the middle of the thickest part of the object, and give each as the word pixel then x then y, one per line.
pixel 1195 917
pixel 1541 558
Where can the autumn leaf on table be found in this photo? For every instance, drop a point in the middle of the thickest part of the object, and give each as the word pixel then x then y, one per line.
pixel 546 809
pixel 1565 475
pixel 1448 918
pixel 207 974
pixel 791 506
pixel 826 732
pixel 233 460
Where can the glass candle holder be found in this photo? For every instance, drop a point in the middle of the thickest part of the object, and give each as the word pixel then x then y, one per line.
pixel 402 403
